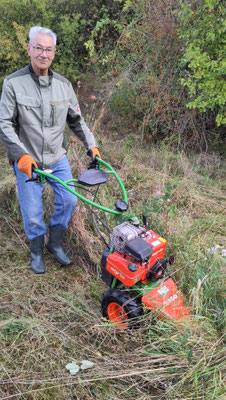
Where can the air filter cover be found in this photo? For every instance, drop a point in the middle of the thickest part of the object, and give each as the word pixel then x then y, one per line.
pixel 139 249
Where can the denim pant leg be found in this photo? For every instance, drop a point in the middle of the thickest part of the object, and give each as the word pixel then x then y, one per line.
pixel 65 201
pixel 30 200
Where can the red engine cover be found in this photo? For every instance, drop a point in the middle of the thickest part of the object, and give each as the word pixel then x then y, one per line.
pixel 159 246
pixel 117 264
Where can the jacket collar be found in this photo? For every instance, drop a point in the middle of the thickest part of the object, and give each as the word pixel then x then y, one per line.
pixel 41 80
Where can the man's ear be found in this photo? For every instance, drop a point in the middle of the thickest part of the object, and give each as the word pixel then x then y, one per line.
pixel 28 48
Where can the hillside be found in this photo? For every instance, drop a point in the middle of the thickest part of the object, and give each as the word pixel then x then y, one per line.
pixel 150 79
pixel 48 321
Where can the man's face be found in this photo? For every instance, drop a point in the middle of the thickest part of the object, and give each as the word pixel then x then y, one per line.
pixel 41 60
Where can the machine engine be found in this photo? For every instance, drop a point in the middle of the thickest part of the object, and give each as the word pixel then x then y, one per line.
pixel 125 232
pixel 138 255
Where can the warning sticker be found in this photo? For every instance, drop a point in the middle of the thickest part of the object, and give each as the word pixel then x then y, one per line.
pixel 155 243
pixel 162 240
pixel 163 290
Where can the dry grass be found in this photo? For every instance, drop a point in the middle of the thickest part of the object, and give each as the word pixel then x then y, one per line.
pixel 50 320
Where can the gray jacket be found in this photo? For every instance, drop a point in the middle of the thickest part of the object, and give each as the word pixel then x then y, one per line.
pixel 33 113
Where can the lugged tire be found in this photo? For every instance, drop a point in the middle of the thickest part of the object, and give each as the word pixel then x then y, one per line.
pixel 121 307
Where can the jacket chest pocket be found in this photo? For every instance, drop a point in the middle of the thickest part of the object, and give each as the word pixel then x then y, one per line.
pixel 59 111
pixel 29 109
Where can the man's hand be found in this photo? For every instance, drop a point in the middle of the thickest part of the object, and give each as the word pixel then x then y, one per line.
pixel 25 164
pixel 92 153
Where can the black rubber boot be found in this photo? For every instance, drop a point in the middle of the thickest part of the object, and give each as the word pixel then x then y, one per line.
pixel 54 245
pixel 37 264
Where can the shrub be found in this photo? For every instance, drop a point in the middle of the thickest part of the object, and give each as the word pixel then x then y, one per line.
pixel 202 27
pixel 146 72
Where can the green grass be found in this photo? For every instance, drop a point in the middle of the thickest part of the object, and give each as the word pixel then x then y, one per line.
pixel 50 320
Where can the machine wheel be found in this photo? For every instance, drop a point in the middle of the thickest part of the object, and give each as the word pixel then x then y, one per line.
pixel 121 307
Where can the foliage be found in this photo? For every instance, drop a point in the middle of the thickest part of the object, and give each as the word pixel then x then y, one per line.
pixel 145 72
pixel 105 29
pixel 143 51
pixel 203 28
pixel 14 26
pixel 71 20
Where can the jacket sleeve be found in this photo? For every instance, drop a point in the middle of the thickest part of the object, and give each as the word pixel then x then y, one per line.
pixel 8 123
pixel 77 124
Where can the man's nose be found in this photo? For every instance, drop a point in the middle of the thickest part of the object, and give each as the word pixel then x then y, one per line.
pixel 44 51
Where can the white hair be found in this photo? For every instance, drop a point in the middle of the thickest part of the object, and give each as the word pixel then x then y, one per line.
pixel 39 29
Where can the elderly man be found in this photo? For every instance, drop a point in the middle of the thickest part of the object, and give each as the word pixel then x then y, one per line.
pixel 36 103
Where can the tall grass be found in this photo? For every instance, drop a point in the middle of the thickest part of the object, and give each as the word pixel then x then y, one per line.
pixel 47 321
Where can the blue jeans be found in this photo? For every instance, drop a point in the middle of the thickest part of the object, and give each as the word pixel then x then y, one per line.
pixel 30 200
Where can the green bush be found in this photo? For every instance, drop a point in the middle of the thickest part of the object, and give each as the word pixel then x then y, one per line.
pixel 202 27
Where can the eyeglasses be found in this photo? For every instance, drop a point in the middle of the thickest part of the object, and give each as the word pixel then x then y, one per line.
pixel 39 50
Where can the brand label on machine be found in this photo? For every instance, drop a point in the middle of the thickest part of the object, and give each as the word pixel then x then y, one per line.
pixel 117 273
pixel 170 300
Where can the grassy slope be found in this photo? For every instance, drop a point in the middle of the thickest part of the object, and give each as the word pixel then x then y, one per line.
pixel 47 321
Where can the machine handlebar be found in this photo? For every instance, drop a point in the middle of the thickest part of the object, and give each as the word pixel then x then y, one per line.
pixel 89 178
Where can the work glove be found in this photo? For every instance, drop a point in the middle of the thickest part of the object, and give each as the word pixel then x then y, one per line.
pixel 25 164
pixel 92 153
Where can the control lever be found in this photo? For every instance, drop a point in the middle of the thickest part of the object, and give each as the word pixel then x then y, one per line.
pixel 37 177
